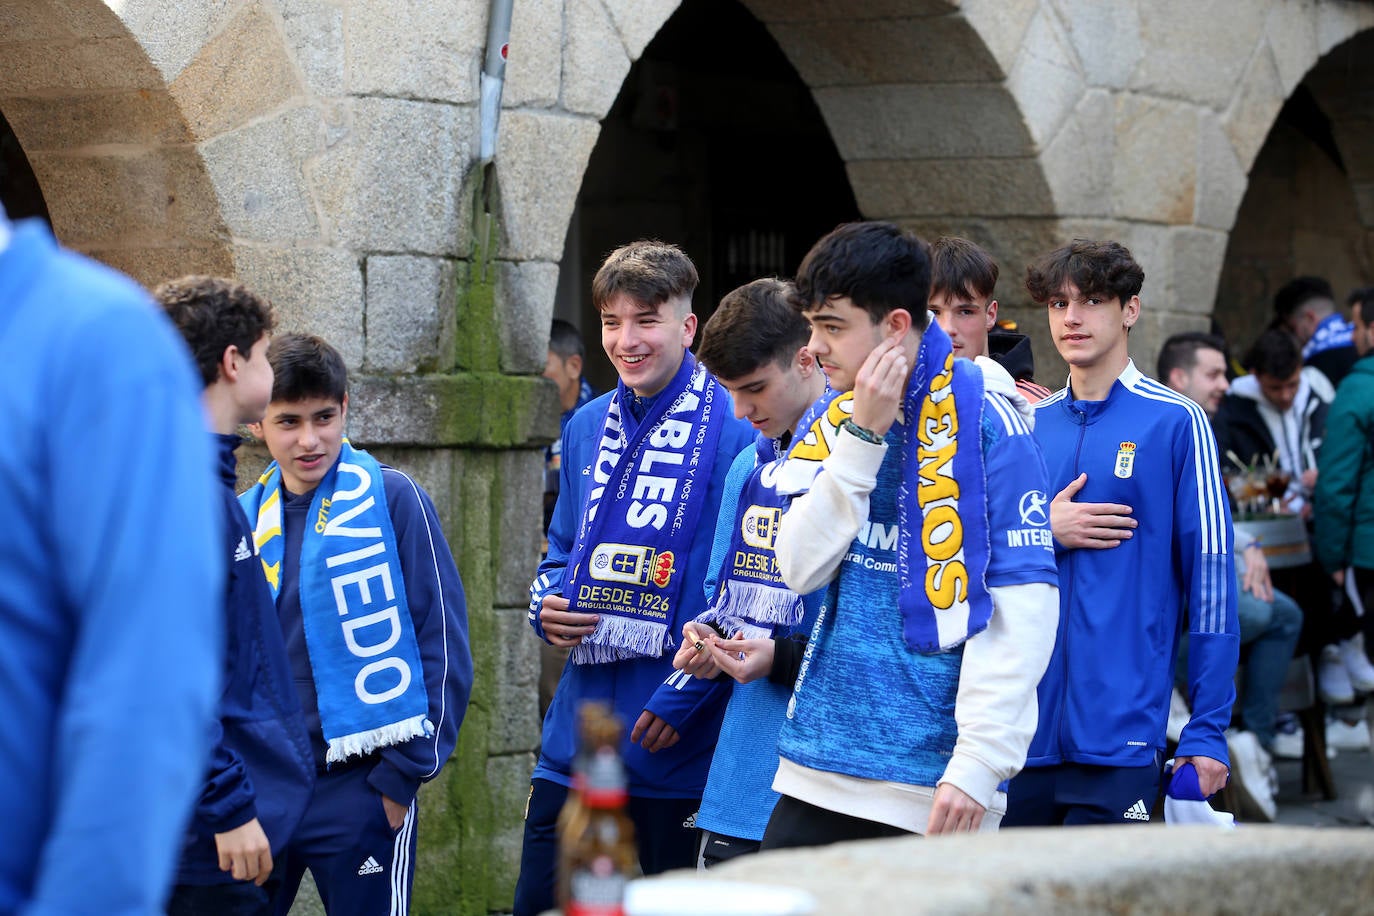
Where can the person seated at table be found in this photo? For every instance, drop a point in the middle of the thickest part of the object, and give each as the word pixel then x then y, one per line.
pixel 1280 409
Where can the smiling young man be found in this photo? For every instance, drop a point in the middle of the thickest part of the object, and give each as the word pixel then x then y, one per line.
pixel 917 503
pixel 963 278
pixel 755 344
pixel 640 486
pixel 1123 440
pixel 375 622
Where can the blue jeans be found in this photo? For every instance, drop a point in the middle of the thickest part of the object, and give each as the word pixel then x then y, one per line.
pixel 1269 629
pixel 1269 633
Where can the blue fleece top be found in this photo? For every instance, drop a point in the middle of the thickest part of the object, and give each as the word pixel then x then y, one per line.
pixel 260 761
pixel 439 611
pixel 111 584
pixel 1104 699
pixel 739 796
pixel 695 707
pixel 907 732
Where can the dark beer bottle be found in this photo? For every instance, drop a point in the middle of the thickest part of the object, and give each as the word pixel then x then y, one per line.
pixel 596 843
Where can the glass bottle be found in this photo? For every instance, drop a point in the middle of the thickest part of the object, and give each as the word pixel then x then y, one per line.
pixel 596 845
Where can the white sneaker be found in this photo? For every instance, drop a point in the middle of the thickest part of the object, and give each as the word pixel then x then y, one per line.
pixel 1357 663
pixel 1178 716
pixel 1287 745
pixel 1343 736
pixel 1333 679
pixel 1250 774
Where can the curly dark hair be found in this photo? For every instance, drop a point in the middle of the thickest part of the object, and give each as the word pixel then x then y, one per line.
pixel 213 314
pixel 1104 269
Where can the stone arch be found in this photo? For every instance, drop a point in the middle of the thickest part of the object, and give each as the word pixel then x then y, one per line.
pixel 882 73
pixel 106 139
pixel 1308 206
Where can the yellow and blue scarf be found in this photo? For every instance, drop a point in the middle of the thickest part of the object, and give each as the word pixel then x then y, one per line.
pixel 649 482
pixel 358 630
pixel 943 541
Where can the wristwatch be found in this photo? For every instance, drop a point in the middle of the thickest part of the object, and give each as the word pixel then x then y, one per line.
pixel 867 435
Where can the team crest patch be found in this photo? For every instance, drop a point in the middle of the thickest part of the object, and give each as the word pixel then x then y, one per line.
pixel 1125 460
pixel 632 564
pixel 760 526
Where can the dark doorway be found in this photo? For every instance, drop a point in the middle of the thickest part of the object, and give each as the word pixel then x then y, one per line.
pixel 714 144
pixel 19 190
pixel 1302 213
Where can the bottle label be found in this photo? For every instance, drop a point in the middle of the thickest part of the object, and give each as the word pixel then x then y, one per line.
pixel 596 890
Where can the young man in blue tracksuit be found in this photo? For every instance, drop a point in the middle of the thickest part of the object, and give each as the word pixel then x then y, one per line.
pixel 261 771
pixel 1124 451
pixel 755 344
pixel 643 468
pixel 917 500
pixel 375 622
pixel 111 582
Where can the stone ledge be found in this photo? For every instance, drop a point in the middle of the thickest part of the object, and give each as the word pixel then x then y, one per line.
pixel 469 410
pixel 1139 871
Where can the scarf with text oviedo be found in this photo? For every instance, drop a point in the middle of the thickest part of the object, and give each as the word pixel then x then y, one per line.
pixel 751 597
pixel 942 512
pixel 358 630
pixel 649 482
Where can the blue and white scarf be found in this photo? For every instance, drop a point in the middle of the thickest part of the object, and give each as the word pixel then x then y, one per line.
pixel 943 541
pixel 751 598
pixel 625 563
pixel 1332 332
pixel 358 629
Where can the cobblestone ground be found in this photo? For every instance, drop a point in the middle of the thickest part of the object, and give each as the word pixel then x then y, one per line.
pixel 1354 802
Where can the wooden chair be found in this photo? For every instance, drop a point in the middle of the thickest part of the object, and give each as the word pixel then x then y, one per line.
pixel 1300 696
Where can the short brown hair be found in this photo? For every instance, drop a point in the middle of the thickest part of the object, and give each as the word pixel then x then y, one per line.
pixel 960 267
pixel 213 314
pixel 755 325
pixel 648 271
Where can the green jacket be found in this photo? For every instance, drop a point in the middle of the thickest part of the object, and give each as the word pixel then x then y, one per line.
pixel 1344 503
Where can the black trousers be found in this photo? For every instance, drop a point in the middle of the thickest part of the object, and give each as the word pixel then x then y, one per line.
pixel 797 823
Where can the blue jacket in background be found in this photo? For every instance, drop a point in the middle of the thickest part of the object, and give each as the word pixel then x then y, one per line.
pixel 260 761
pixel 438 608
pixel 1104 699
pixel 694 709
pixel 111 583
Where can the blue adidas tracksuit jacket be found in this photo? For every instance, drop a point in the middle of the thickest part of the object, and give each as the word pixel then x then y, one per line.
pixel 260 763
pixel 695 709
pixel 1104 699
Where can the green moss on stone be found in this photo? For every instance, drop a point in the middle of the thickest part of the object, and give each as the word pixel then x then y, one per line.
pixel 476 344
